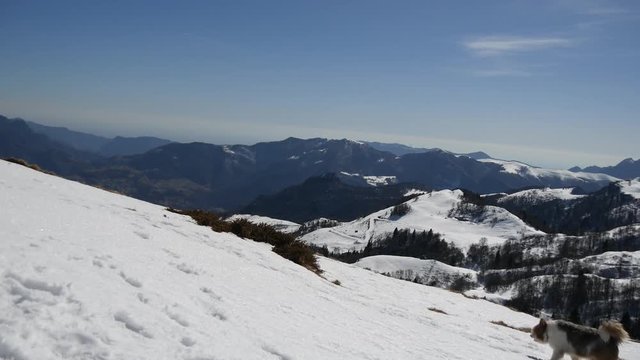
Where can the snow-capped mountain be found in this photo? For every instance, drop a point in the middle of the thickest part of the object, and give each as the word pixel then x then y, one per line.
pixel 230 177
pixel 439 211
pixel 89 274
pixel 625 169
pixel 551 177
pixel 567 211
pixel 537 196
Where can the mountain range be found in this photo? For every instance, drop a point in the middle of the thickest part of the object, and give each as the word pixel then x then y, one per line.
pixel 626 169
pixel 230 177
pixel 118 146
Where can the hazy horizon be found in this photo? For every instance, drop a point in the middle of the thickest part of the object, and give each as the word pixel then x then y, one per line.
pixel 549 83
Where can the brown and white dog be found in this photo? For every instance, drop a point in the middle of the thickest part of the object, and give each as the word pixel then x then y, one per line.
pixel 580 341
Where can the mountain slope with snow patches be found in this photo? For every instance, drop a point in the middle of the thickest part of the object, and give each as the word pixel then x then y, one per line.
pixel 536 196
pixel 551 177
pixel 88 274
pixel 428 211
pixel 428 272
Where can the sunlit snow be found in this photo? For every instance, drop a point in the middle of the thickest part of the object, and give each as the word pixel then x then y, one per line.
pixel 89 274
pixel 428 211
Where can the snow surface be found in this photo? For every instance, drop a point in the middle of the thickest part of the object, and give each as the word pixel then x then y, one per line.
pixel 536 196
pixel 374 180
pixel 380 180
pixel 284 226
pixel 522 169
pixel 631 187
pixel 613 264
pixel 411 192
pixel 88 274
pixel 428 211
pixel 408 268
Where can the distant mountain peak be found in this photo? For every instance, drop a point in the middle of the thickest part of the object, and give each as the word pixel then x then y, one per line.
pixel 479 155
pixel 625 169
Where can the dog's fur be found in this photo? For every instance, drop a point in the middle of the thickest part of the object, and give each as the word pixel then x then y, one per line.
pixel 580 341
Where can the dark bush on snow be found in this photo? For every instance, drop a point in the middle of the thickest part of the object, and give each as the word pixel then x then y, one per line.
pixel 284 245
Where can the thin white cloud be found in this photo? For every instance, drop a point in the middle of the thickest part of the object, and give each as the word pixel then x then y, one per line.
pixel 503 45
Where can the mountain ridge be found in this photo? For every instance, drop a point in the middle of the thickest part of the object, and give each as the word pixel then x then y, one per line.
pixel 229 177
pixel 625 169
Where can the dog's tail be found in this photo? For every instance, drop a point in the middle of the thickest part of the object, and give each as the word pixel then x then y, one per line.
pixel 613 330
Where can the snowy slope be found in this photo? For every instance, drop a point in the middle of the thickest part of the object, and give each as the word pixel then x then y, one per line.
pixel 408 268
pixel 536 196
pixel 631 187
pixel 373 180
pixel 280 225
pixel 549 175
pixel 428 211
pixel 614 264
pixel 88 274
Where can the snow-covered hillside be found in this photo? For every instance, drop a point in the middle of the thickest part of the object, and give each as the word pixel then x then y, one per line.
pixel 428 211
pixel 536 196
pixel 284 226
pixel 550 176
pixel 88 274
pixel 614 264
pixel 372 180
pixel 430 272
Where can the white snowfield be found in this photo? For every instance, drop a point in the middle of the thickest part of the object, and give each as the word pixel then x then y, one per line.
pixel 374 180
pixel 528 171
pixel 536 196
pixel 428 211
pixel 631 187
pixel 88 274
pixel 284 226
pixel 408 268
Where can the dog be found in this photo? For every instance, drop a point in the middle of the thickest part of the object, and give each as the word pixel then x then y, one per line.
pixel 580 341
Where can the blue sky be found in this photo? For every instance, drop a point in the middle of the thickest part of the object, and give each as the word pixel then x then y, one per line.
pixel 552 83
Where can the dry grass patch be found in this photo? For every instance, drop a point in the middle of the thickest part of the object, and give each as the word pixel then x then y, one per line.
pixel 285 245
pixel 27 164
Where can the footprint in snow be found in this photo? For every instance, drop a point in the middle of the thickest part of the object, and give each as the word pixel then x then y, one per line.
pixel 131 324
pixel 275 352
pixel 142 235
pixel 176 317
pixel 38 285
pixel 171 253
pixel 187 341
pixel 187 269
pixel 218 315
pixel 143 299
pixel 131 281
pixel 211 294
